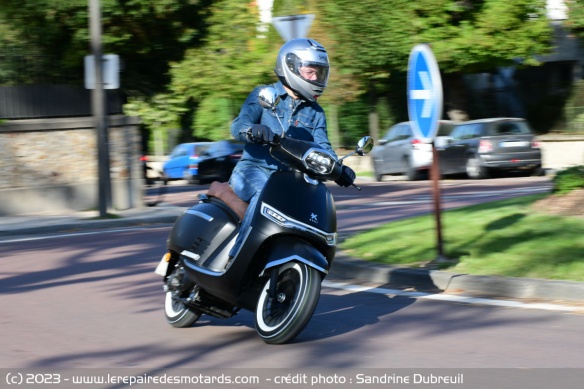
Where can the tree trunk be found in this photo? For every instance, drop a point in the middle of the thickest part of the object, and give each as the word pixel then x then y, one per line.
pixel 333 126
pixel 373 114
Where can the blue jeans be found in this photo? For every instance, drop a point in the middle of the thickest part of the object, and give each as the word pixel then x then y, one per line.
pixel 247 181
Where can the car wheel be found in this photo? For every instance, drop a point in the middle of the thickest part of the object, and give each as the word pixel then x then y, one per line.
pixel 474 169
pixel 411 173
pixel 538 171
pixel 378 176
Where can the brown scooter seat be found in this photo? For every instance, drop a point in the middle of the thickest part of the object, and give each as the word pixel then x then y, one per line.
pixel 223 191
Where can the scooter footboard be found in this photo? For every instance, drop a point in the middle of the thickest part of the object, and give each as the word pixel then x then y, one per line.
pixel 293 249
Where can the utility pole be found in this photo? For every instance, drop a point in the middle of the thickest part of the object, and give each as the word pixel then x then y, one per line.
pixel 99 110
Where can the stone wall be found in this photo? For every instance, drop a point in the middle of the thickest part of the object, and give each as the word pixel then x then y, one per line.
pixel 561 151
pixel 51 164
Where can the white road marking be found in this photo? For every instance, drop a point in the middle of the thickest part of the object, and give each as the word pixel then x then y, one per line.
pixel 453 298
pixel 31 238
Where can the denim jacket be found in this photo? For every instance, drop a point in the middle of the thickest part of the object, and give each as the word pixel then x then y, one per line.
pixel 301 120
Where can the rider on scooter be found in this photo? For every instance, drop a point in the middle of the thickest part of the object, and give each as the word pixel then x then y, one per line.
pixel 302 68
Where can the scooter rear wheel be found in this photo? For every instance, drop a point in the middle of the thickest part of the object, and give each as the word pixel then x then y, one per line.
pixel 280 318
pixel 177 314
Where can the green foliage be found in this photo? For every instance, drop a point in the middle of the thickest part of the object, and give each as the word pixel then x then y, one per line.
pixel 210 53
pixel 491 33
pixel 159 114
pixel 369 48
pixel 213 119
pixel 146 34
pixel 569 179
pixel 575 20
pixel 233 60
pixel 574 109
pixel 355 114
pixel 21 62
pixel 465 36
pixel 160 110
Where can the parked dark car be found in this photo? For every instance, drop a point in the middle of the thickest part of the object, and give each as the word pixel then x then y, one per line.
pixel 482 147
pixel 217 163
pixel 400 152
pixel 183 161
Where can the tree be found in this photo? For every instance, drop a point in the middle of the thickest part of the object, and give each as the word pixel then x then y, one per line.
pixel 465 36
pixel 145 34
pixel 233 59
pixel 206 55
pixel 53 37
pixel 575 20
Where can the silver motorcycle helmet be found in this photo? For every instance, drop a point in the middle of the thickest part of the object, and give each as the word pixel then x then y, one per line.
pixel 303 66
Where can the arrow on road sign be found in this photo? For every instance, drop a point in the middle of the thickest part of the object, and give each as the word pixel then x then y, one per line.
pixel 424 93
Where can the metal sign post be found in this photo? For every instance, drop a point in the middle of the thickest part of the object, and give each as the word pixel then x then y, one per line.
pixel 99 111
pixel 425 110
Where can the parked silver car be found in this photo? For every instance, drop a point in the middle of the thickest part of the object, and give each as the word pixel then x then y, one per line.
pixel 400 152
pixel 481 147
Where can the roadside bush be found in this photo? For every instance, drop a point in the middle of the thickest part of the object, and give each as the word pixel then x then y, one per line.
pixel 569 179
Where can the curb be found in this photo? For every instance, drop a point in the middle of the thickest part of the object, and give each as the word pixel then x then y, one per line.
pixel 439 281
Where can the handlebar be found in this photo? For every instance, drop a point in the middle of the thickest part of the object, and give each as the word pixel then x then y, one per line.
pixel 253 139
pixel 292 152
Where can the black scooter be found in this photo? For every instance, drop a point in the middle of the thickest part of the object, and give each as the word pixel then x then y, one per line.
pixel 279 269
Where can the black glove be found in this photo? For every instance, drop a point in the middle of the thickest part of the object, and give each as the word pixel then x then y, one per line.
pixel 261 133
pixel 347 177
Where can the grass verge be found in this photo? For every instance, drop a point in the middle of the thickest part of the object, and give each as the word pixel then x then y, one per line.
pixel 504 238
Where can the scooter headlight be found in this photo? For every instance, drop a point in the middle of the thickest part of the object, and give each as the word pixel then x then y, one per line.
pixel 319 161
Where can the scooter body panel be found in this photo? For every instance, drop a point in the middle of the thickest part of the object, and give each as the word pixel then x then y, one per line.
pixel 287 249
pixel 309 203
pixel 205 233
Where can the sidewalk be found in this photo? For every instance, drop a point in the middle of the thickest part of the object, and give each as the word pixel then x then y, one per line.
pixel 344 267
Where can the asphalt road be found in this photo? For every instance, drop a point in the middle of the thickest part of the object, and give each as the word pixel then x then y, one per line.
pixel 91 300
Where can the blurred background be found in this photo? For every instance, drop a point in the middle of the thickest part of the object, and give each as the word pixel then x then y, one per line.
pixel 187 65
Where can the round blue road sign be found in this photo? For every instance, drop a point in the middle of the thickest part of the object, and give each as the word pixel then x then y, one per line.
pixel 424 93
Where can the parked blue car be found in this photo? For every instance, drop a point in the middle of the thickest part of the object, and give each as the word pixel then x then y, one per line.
pixel 183 162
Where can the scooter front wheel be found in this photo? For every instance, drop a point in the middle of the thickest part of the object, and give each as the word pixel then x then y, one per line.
pixel 281 317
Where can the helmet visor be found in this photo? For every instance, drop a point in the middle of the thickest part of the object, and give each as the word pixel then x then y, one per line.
pixel 313 72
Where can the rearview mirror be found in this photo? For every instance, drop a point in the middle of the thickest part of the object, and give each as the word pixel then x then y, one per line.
pixel 269 98
pixel 364 146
